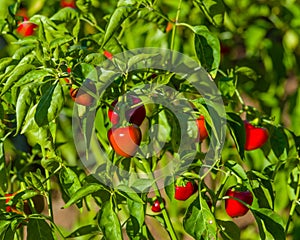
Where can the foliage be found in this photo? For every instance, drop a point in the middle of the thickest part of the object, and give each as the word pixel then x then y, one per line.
pixel 250 51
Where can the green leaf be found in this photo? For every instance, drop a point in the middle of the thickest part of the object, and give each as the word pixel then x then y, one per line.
pixel 69 181
pixel 16 74
pixel 229 230
pixel 5 230
pixel 213 9
pixel 23 105
pixel 4 62
pixel 49 105
pixel 34 180
pixel 272 222
pixel 279 142
pixel 237 169
pixel 237 131
pixel 3 171
pixel 199 221
pixel 33 76
pixel 207 48
pixel 227 86
pixel 116 19
pixel 85 230
pixel 248 72
pixel 65 15
pixel 22 52
pixel 38 229
pixel 140 58
pixel 94 58
pixel 137 211
pixel 108 222
pixel 83 192
pixel 170 187
pixel 57 42
pixel 7 233
pixel 130 193
pixel 51 164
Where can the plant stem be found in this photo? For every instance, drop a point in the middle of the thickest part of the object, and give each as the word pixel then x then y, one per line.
pixel 166 216
pixel 293 207
pixel 164 212
pixel 239 97
pixel 174 28
pixel 49 197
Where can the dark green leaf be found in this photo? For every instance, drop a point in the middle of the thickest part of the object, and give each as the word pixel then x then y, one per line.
pixel 4 228
pixel 279 142
pixel 49 105
pixel 38 229
pixel 7 233
pixel 229 230
pixel 108 221
pixel 237 131
pixel 272 221
pixel 214 10
pixel 207 48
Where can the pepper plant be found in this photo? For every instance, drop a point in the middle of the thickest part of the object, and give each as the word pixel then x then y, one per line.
pixel 118 105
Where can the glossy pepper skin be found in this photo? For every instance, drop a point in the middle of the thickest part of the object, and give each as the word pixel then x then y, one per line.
pixel 26 29
pixel 82 95
pixel 156 206
pixel 256 137
pixel 202 132
pixel 133 114
pixel 182 193
pixel 233 207
pixel 125 140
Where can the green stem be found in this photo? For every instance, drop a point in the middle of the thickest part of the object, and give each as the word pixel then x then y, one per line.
pixel 239 97
pixel 294 204
pixel 49 195
pixel 174 28
pixel 164 211
pixel 220 190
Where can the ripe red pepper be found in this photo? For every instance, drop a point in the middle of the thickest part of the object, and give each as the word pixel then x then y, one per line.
pixel 125 140
pixel 135 115
pixel 255 136
pixel 183 192
pixel 156 206
pixel 202 132
pixel 233 207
